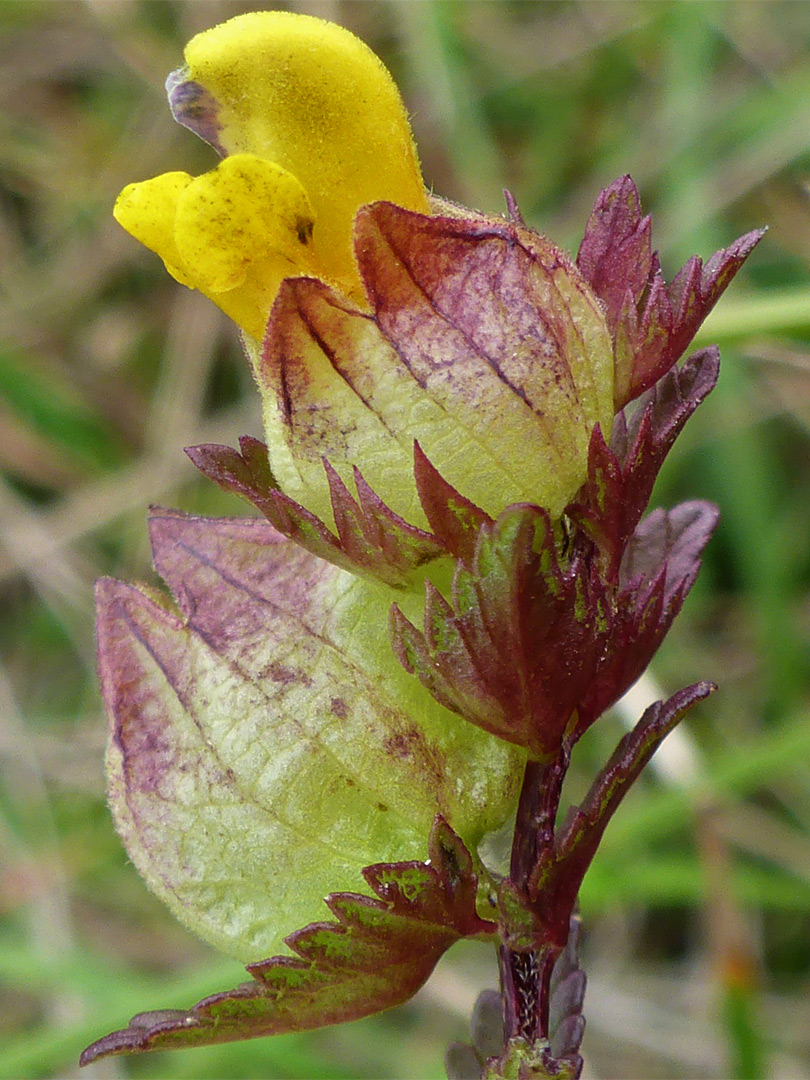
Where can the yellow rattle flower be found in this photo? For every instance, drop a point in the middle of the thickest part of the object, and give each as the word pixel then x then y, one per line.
pixel 311 127
pixel 402 319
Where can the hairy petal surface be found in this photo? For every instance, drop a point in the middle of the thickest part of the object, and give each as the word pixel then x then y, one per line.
pixel 233 233
pixel 311 97
pixel 265 745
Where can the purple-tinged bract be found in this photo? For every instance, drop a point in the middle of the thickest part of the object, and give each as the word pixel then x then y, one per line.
pixel 651 323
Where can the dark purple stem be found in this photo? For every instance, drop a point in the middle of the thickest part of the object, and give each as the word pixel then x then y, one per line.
pixel 533 840
pixel 526 975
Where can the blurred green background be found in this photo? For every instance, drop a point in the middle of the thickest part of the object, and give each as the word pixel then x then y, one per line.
pixel 698 909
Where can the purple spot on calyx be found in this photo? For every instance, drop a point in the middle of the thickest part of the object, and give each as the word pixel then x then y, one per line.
pixel 339 708
pixel 195 108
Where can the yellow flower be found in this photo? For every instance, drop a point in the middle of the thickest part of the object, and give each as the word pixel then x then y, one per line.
pixel 401 319
pixel 313 128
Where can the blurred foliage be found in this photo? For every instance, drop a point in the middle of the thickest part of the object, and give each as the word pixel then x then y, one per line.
pixel 698 909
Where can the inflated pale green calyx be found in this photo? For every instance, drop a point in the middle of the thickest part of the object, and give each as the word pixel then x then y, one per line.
pixel 484 344
pixel 266 746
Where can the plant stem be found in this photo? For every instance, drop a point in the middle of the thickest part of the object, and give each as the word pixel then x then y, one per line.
pixel 533 839
pixel 526 974
pixel 525 985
